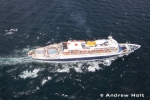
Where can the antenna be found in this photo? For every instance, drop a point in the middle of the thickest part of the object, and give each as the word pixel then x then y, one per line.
pixel 110 33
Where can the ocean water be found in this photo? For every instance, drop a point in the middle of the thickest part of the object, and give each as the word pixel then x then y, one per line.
pixel 27 24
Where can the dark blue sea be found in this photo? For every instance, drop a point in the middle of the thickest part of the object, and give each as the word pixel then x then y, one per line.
pixel 27 24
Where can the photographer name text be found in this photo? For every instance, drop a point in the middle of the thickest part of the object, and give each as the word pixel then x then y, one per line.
pixel 122 95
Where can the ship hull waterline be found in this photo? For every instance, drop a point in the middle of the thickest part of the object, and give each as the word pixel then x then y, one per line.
pixel 81 58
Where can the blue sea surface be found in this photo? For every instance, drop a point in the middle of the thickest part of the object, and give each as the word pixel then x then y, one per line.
pixel 27 24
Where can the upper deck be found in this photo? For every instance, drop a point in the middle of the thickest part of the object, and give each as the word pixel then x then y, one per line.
pixel 94 46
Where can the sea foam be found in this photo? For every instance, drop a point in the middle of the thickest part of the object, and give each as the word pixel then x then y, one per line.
pixel 31 74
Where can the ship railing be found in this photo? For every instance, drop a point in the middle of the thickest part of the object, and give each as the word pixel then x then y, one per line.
pixel 94 51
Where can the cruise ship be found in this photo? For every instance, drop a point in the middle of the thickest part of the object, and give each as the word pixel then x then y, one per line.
pixel 78 50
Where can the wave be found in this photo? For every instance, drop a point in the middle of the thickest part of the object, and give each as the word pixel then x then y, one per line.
pixel 79 67
pixel 14 61
pixel 11 31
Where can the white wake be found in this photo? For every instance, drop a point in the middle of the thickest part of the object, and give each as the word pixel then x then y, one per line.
pixel 14 61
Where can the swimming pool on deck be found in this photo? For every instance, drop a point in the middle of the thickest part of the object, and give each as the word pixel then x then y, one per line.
pixel 52 51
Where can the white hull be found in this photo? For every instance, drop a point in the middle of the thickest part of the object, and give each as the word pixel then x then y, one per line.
pixel 125 49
